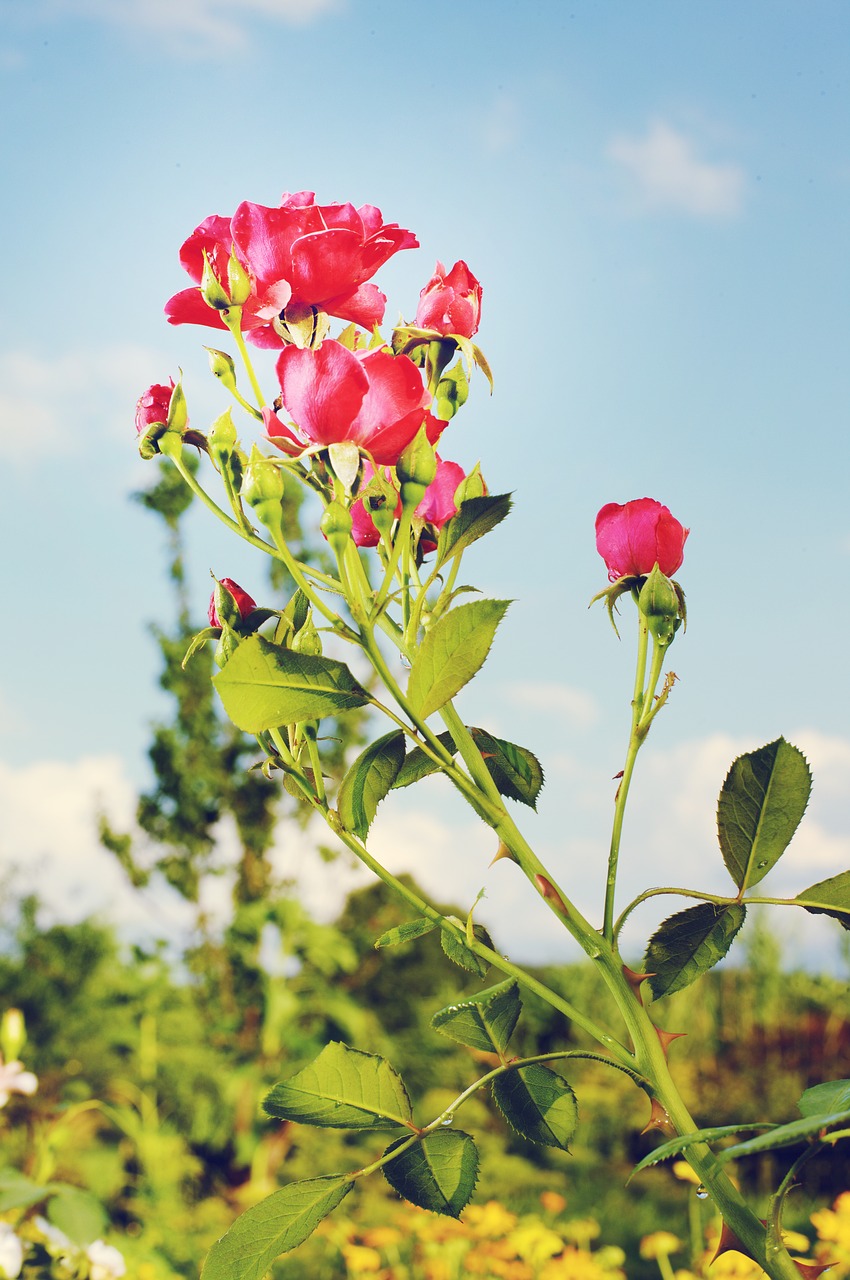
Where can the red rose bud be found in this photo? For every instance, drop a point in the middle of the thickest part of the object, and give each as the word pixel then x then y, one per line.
pixel 633 538
pixel 152 406
pixel 450 303
pixel 438 505
pixel 660 605
pixel 229 603
pixel 416 469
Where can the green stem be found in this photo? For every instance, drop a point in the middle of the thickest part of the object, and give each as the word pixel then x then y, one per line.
pixel 635 742
pixel 402 537
pixel 233 320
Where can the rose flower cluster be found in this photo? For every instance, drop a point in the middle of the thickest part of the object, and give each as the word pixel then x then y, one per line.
pixel 277 277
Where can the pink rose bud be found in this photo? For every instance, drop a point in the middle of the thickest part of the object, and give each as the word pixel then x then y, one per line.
pixel 152 406
pixel 450 303
pixel 633 538
pixel 241 600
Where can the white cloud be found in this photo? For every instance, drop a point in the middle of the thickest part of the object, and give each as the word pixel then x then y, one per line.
pixel 45 402
pixel 195 28
pixel 500 127
pixel 574 707
pixel 50 846
pixel 667 172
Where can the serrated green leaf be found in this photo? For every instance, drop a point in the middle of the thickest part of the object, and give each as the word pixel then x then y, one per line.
pixel 406 932
pixel 515 770
pixel 485 1021
pixel 452 652
pixel 272 1227
pixel 18 1191
pixel 460 954
pixel 785 1135
pixel 418 764
pixel 367 782
pixel 263 686
pixel 77 1213
pixel 475 517
pixel 690 943
pixel 439 1173
pixel 538 1103
pixel 759 809
pixel 343 1089
pixel 829 898
pixel 822 1099
pixel 677 1145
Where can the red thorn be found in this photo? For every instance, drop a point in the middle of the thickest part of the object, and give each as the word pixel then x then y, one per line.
pixel 502 852
pixel 618 775
pixel 667 1038
pixel 550 893
pixel 811 1270
pixel 659 1119
pixel 635 979
pixel 729 1242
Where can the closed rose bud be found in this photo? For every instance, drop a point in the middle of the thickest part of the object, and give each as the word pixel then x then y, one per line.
pixel 336 526
pixel 152 405
pixel 229 603
pixel 262 489
pixel 416 469
pixel 633 538
pixel 659 603
pixel 450 302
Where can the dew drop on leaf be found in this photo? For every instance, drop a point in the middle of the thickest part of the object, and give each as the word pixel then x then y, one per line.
pixel 701 1192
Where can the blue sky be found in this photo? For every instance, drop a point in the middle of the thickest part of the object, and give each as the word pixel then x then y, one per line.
pixel 655 198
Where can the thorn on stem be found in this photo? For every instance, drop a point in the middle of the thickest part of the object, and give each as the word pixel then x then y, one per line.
pixel 667 1037
pixel 503 852
pixel 635 979
pixel 550 893
pixel 659 1119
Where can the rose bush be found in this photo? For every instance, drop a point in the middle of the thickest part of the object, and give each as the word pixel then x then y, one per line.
pixel 636 536
pixel 437 507
pixel 297 256
pixel 450 303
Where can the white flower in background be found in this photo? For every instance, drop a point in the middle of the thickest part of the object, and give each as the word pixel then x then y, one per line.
pixel 107 1263
pixel 13 1079
pixel 56 1242
pixel 11 1253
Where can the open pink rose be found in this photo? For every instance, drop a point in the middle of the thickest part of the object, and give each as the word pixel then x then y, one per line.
pixel 244 603
pixel 152 405
pixel 633 538
pixel 450 303
pixel 298 255
pixel 373 398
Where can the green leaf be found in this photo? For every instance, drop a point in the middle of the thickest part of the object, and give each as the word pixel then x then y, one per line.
pixel 486 1021
pixel 19 1192
pixel 690 943
pixel 785 1135
pixel 272 1227
pixel 406 932
pixel 198 641
pixel 515 770
pixel 759 809
pixel 452 652
pixel 677 1145
pixel 829 898
pixel 78 1213
pixel 438 1173
pixel 343 1089
pixel 459 952
pixel 367 782
pixel 418 764
pixel 538 1103
pixel 475 517
pixel 263 686
pixel 822 1099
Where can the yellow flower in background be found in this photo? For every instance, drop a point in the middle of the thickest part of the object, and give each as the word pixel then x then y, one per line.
pixel 491 1219
pixel 553 1202
pixel 659 1244
pixel 577 1264
pixel 361 1260
pixel 580 1231
pixel 535 1243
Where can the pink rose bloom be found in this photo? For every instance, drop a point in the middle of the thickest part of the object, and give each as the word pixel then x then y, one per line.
pixel 152 405
pixel 450 303
pixel 244 602
pixel 633 538
pixel 373 398
pixel 298 255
